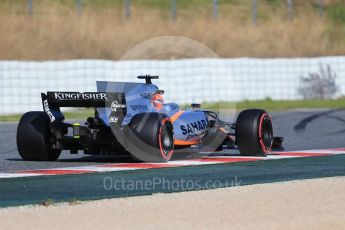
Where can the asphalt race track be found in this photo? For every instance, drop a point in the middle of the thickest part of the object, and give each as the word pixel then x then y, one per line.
pixel 302 130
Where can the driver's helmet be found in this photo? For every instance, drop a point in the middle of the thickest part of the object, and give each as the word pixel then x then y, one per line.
pixel 157 101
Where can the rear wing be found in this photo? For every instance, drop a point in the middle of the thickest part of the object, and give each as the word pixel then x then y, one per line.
pixel 53 101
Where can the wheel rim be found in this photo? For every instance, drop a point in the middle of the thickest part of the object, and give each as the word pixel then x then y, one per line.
pixel 166 140
pixel 266 133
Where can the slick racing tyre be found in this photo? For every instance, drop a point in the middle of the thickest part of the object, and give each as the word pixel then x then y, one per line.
pixel 150 137
pixel 254 132
pixel 33 137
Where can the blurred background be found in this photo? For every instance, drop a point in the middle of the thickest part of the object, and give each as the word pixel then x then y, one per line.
pixel 107 29
pixel 275 54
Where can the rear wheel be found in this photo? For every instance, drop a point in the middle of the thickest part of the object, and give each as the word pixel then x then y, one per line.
pixel 254 132
pixel 33 138
pixel 150 137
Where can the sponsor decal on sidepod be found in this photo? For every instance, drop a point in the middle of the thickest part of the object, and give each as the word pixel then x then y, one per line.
pixel 191 128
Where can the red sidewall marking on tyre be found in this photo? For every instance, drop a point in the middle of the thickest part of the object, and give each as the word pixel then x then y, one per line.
pixel 263 146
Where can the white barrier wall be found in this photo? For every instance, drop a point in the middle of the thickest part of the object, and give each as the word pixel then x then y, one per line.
pixel 183 80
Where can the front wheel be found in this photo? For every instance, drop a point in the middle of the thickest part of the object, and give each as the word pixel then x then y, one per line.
pixel 254 132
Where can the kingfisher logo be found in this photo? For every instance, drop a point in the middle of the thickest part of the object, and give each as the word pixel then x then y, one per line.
pixel 80 96
pixel 194 127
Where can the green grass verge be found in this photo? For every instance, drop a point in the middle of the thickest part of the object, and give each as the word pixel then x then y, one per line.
pixel 268 105
pixel 280 105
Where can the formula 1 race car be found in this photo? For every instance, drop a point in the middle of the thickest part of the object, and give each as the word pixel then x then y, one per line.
pixel 133 118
